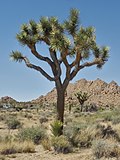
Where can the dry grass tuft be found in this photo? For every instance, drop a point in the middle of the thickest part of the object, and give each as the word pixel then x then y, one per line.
pixel 17 147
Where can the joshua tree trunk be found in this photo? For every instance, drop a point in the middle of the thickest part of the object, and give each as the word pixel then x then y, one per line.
pixel 61 89
pixel 60 104
pixel 60 107
pixel 81 108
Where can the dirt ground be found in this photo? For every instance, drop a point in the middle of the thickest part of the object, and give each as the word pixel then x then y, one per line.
pixel 40 154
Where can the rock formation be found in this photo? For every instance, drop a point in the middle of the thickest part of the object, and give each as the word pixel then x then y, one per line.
pixel 101 93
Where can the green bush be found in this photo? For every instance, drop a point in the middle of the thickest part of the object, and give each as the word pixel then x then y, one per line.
pixel 36 134
pixel 13 123
pixel 46 143
pixel 84 138
pixel 43 120
pixel 106 149
pixel 56 128
pixel 61 144
pixel 72 131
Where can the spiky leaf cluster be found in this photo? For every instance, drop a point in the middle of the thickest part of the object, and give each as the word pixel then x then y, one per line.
pixel 102 53
pixel 85 41
pixel 76 40
pixel 52 32
pixel 16 56
pixel 72 24
pixel 29 34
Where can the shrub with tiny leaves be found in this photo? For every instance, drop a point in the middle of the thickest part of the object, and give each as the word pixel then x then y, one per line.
pixel 61 144
pixel 36 134
pixel 104 148
pixel 13 123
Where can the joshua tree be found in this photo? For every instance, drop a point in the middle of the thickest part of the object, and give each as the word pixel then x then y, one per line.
pixel 82 97
pixel 65 41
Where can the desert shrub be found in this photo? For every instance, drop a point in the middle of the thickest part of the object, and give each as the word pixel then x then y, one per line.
pixel 9 150
pixel 26 147
pixel 2 117
pixel 35 134
pixel 108 117
pixel 73 131
pixel 17 147
pixel 84 137
pixel 116 120
pixel 68 119
pixel 106 132
pixel 43 120
pixel 29 116
pixel 80 135
pixel 56 127
pixel 13 123
pixel 106 149
pixel 46 143
pixel 76 110
pixel 19 108
pixel 61 144
pixel 7 138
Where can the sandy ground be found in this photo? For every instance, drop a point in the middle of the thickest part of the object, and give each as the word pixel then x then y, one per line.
pixel 40 154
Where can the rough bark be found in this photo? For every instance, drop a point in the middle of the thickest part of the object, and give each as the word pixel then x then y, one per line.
pixel 60 107
pixel 60 104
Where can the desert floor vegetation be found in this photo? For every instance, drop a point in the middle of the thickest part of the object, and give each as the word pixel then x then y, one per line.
pixel 34 133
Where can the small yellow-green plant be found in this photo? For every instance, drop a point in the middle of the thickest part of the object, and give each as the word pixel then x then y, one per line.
pixel 56 127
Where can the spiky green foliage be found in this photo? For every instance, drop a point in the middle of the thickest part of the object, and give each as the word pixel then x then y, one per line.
pixel 82 97
pixel 53 33
pixel 72 24
pixel 56 127
pixel 29 34
pixel 16 56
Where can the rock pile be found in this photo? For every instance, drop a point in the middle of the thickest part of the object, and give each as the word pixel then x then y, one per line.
pixel 101 93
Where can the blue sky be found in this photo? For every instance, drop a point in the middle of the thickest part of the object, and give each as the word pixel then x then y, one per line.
pixel 23 84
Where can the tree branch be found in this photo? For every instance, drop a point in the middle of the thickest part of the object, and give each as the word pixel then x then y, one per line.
pixel 57 69
pixel 39 56
pixel 67 65
pixel 96 61
pixel 39 69
pixel 77 60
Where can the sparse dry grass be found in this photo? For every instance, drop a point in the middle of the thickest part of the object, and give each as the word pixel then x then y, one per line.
pixel 85 128
pixel 17 147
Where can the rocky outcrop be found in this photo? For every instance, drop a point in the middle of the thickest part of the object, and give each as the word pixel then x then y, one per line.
pixel 101 93
pixel 7 99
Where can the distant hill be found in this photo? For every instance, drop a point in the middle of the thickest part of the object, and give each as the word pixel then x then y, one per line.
pixel 7 99
pixel 101 93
